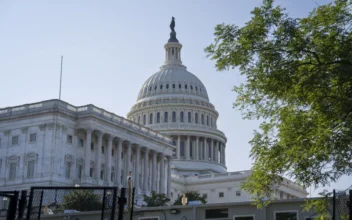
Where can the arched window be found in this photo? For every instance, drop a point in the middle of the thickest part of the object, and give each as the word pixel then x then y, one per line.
pixel 211 122
pixel 144 119
pixel 167 86
pixel 196 88
pixel 207 120
pixel 181 117
pixel 158 117
pixel 173 116
pixel 189 117
pixel 182 148
pixel 196 118
pixel 151 118
pixel 173 86
pixel 185 86
pixel 166 115
pixel 179 86
pixel 161 86
pixel 191 87
pixel 191 149
pixel 139 119
pixel 155 87
pixel 202 119
pixel 150 88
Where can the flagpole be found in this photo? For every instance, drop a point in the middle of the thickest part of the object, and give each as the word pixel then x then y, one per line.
pixel 62 58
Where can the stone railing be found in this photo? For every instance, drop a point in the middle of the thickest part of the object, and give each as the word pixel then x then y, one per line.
pixel 228 175
pixel 196 127
pixel 52 105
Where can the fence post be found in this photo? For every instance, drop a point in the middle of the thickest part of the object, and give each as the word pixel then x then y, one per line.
pixel 102 208
pixel 333 204
pixel 11 212
pixel 131 215
pixel 40 204
pixel 22 204
pixel 122 201
pixel 350 206
pixel 29 208
pixel 113 204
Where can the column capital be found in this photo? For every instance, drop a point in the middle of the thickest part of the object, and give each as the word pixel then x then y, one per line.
pixel 98 133
pixel 89 130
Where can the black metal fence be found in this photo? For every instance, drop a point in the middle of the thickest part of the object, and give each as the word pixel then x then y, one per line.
pixel 341 204
pixel 70 203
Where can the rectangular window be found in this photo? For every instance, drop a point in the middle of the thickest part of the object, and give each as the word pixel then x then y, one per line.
pixel 30 169
pixel 238 193
pixel 221 194
pixel 243 218
pixel 91 170
pixel 216 213
pixel 112 152
pixel 288 215
pixel 91 146
pixel 12 171
pixel 33 137
pixel 67 170
pixel 102 174
pixel 79 171
pixel 205 196
pixel 81 142
pixel 15 140
pixel 102 149
pixel 69 139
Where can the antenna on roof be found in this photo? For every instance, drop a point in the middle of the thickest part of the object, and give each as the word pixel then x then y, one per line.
pixel 62 58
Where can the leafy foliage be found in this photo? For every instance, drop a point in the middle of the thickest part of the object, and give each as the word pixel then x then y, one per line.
pixel 156 199
pixel 299 83
pixel 82 200
pixel 191 196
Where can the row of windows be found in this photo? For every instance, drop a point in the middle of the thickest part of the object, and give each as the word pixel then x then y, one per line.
pixel 173 86
pixel 202 120
pixel 15 139
pixel 223 213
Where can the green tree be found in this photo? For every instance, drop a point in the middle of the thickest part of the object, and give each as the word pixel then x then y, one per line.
pixel 299 84
pixel 82 200
pixel 191 196
pixel 156 199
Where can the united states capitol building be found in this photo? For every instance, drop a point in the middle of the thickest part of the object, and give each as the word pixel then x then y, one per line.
pixel 169 140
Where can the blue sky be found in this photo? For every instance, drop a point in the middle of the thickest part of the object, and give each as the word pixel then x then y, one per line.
pixel 111 47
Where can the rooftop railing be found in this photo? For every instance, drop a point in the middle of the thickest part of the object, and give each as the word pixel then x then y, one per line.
pixel 80 110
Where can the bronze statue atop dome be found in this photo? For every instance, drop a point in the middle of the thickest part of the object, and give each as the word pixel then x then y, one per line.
pixel 173 32
pixel 172 24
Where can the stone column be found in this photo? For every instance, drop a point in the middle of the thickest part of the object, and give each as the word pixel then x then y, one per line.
pixel 87 153
pixel 119 162
pixel 98 152
pixel 197 148
pixel 206 150
pixel 138 155
pixel 162 175
pixel 224 154
pixel 154 171
pixel 217 152
pixel 211 150
pixel 188 147
pixel 168 176
pixel 178 150
pixel 129 154
pixel 108 159
pixel 146 174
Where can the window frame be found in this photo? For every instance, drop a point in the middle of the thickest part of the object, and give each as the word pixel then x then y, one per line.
pixel 221 195
pixel 12 140
pixel 151 118
pixel 174 116
pixel 182 117
pixel 238 194
pixel 35 137
pixel 286 211
pixel 166 117
pixel 68 138
pixel 235 216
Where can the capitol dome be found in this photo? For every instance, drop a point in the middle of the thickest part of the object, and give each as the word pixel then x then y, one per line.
pixel 174 102
pixel 174 81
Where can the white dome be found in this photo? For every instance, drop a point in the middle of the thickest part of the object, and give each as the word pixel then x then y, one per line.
pixel 173 80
